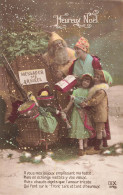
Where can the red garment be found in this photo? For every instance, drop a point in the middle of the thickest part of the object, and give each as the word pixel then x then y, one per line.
pixel 95 63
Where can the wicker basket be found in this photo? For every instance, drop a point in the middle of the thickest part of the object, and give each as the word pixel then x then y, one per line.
pixel 29 133
pixel 31 136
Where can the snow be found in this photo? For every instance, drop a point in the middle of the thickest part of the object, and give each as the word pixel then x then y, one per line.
pixel 104 169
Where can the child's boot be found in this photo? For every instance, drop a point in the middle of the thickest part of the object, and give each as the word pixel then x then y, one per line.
pixel 98 144
pixel 81 152
pixel 92 151
pixel 105 144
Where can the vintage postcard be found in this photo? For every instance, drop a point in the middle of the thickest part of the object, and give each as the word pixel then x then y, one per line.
pixel 61 88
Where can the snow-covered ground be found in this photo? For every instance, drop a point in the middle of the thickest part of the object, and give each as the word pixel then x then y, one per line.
pixel 106 171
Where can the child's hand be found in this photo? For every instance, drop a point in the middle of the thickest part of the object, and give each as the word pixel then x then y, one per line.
pixel 72 98
pixel 83 104
pixel 75 76
pixel 65 110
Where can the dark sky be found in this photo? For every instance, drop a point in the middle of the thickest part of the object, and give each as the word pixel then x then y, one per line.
pixel 44 10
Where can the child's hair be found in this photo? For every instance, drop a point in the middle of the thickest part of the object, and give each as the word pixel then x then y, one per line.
pixel 104 76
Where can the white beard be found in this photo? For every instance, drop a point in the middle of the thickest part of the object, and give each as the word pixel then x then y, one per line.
pixel 61 56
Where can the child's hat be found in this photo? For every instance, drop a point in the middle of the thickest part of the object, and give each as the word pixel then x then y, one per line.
pixel 104 76
pixel 87 75
pixel 83 44
pixel 55 37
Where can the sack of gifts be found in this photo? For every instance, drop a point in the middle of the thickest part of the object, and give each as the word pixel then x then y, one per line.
pixel 66 84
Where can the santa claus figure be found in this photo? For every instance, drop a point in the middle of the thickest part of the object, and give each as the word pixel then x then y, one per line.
pixel 59 57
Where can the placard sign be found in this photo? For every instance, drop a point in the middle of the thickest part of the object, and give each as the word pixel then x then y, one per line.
pixel 29 77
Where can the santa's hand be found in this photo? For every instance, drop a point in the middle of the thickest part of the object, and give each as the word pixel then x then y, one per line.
pixel 59 74
pixel 76 76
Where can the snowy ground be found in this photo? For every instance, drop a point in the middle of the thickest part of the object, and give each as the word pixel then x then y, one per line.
pixel 106 171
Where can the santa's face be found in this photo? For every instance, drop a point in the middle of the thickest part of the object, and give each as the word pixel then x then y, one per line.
pixel 60 53
pixel 58 44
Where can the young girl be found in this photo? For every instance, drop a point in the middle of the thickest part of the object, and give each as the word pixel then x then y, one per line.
pixel 80 127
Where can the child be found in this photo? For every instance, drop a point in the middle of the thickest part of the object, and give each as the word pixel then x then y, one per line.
pixel 78 129
pixel 98 101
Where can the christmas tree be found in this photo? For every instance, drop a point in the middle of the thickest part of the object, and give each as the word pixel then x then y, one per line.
pixel 23 38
